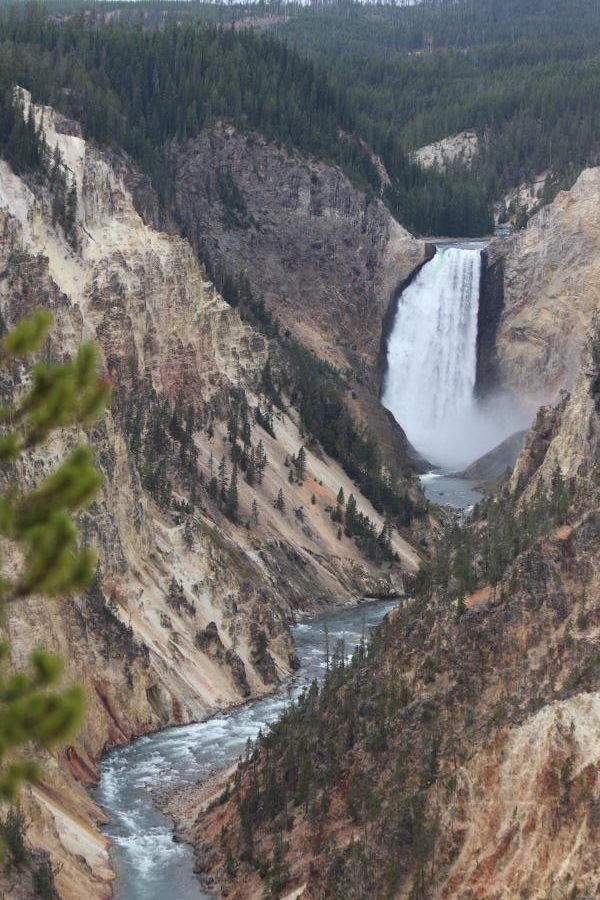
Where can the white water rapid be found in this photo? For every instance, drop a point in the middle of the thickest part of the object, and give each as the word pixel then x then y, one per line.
pixel 432 361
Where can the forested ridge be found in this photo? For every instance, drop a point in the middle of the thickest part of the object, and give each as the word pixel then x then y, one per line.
pixel 525 75
pixel 334 80
pixel 140 88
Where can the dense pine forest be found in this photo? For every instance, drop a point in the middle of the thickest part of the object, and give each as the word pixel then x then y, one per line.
pixel 138 89
pixel 338 80
pixel 524 75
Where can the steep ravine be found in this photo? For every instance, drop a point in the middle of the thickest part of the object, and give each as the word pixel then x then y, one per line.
pixel 190 612
pixel 176 763
pixel 459 757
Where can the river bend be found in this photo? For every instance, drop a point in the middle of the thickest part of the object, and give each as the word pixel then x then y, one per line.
pixel 150 865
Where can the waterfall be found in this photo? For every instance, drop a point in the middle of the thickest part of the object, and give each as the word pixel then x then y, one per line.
pixel 432 360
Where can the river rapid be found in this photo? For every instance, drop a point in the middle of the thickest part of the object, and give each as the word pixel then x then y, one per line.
pixel 149 864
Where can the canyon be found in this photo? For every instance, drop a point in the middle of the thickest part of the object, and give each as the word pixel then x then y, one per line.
pixel 190 611
pixel 458 756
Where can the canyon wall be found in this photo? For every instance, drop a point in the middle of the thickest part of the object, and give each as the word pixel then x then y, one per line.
pixel 469 753
pixel 546 278
pixel 326 258
pixel 190 610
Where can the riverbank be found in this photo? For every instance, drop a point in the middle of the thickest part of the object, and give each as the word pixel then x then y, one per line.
pixel 149 863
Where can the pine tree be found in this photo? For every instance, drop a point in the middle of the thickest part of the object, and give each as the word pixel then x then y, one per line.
pixel 37 523
pixel 261 461
pixel 70 223
pixel 279 501
pixel 213 488
pixel 340 497
pixel 232 424
pixel 231 500
pixel 255 512
pixel 559 495
pixel 223 478
pixel 188 533
pixel 251 467
pixel 301 464
pixel 351 516
pixel 246 429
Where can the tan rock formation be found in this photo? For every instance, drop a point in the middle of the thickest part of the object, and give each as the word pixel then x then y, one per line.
pixel 460 148
pixel 551 289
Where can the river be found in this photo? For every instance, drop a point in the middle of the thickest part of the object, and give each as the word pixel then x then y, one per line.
pixel 150 865
pixel 450 490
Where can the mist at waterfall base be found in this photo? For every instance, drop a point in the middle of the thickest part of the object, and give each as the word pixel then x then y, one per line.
pixel 432 365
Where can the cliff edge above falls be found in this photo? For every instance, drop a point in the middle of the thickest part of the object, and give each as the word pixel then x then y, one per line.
pixel 191 607
pixel 543 284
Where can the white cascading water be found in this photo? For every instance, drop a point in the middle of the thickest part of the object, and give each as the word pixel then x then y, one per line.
pixel 432 361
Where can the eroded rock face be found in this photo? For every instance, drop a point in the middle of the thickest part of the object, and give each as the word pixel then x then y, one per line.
pixel 567 437
pixel 457 148
pixel 167 340
pixel 551 286
pixel 325 257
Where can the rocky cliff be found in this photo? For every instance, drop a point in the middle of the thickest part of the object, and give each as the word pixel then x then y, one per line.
pixel 459 756
pixel 190 608
pixel 326 258
pixel 546 278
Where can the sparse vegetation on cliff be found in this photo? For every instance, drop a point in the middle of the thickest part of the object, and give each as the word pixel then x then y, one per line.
pixel 22 143
pixel 364 786
pixel 315 389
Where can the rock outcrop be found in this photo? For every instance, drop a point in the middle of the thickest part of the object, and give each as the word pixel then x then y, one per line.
pixel 457 148
pixel 498 462
pixel 190 609
pixel 325 257
pixel 550 275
